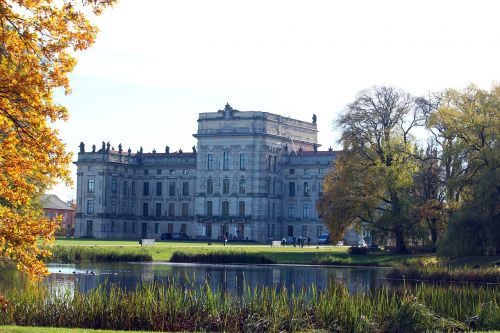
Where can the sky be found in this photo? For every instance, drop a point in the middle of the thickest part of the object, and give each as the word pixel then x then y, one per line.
pixel 156 64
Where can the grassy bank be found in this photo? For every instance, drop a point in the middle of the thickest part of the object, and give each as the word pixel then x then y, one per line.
pixel 26 329
pixel 283 255
pixel 69 254
pixel 156 307
pixel 222 258
pixel 446 274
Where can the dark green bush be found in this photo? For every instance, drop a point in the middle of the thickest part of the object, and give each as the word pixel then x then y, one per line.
pixel 358 250
pixel 222 257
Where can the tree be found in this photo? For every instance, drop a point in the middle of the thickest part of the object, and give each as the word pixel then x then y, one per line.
pixel 37 39
pixel 374 176
pixel 469 122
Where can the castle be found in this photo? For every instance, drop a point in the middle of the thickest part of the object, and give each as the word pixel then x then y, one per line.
pixel 252 176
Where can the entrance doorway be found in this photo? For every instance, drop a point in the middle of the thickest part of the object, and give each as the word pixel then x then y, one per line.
pixel 290 230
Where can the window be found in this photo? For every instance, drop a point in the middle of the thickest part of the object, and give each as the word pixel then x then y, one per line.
pixel 113 208
pixel 307 191
pixel 145 189
pixel 305 211
pixel 269 186
pixel 157 228
pixel 115 169
pixel 291 211
pixel 185 171
pixel 225 186
pixel 291 189
pixel 125 188
pixel 320 189
pixel 269 162
pixel 90 206
pixel 171 189
pixel 113 225
pixel 292 171
pixel 306 171
pixel 158 172
pixel 158 189
pixel 145 209
pixel 125 229
pixel 274 163
pixel 243 161
pixel 242 185
pixel 225 160
pixel 274 210
pixel 134 229
pixel 319 230
pixel 146 172
pixel 210 185
pixel 242 208
pixel 225 208
pixel 90 185
pixel 172 171
pixel 304 231
pixel 320 171
pixel 171 209
pixel 114 186
pixel 210 161
pixel 91 168
pixel 209 208
pixel 274 186
pixel 132 207
pixel 133 188
pixel 158 209
pixel 185 188
pixel 185 209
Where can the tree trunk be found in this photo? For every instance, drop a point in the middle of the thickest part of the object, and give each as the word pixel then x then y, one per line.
pixel 397 221
pixel 400 239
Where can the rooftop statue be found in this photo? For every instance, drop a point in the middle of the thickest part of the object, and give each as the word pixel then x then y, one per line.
pixel 82 147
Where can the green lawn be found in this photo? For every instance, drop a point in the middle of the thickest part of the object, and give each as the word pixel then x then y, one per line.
pixel 283 255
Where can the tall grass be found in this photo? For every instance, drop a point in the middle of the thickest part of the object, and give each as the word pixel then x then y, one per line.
pixel 173 308
pixel 222 257
pixel 446 274
pixel 69 254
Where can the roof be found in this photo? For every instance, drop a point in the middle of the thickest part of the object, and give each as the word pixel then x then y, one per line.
pixel 52 201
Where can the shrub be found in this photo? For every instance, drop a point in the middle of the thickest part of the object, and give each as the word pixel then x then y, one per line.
pixel 222 257
pixel 358 250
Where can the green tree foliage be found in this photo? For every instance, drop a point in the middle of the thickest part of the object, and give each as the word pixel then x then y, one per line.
pixel 373 178
pixel 473 117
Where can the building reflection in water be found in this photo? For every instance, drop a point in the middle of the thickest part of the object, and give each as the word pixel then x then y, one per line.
pixel 234 279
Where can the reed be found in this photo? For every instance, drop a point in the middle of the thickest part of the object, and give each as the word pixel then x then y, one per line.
pixel 70 254
pixel 155 307
pixel 222 257
pixel 446 274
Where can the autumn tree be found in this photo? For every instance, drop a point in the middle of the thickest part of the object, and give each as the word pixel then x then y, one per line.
pixel 37 43
pixel 374 176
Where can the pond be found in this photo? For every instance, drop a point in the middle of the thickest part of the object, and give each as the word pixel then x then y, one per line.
pixel 231 278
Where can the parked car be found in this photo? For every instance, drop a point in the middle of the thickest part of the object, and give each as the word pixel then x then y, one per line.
pixel 174 236
pixel 166 236
pixel 324 238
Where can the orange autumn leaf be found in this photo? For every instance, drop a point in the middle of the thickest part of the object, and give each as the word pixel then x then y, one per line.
pixel 37 41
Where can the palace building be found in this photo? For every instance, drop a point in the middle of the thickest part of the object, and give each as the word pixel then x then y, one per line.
pixel 252 176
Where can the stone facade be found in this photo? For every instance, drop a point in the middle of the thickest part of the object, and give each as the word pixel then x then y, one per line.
pixel 237 182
